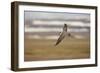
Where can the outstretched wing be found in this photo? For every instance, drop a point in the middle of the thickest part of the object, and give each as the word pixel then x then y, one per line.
pixel 60 38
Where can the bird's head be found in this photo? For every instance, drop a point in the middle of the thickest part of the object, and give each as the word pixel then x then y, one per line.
pixel 65 27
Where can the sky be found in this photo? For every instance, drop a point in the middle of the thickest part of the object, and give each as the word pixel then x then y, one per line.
pixel 48 24
pixel 41 15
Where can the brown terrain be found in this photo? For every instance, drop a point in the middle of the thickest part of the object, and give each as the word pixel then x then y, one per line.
pixel 69 48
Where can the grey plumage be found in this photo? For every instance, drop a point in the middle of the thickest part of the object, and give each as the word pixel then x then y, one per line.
pixel 63 34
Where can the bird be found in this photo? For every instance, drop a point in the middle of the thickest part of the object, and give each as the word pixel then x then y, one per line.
pixel 63 34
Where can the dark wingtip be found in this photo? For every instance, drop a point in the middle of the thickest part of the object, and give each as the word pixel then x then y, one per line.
pixel 55 45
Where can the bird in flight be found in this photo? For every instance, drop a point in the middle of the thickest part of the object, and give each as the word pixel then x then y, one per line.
pixel 63 34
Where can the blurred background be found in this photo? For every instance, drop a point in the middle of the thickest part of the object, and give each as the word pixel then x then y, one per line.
pixel 48 25
pixel 42 30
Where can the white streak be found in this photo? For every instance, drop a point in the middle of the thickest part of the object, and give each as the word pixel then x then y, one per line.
pixel 41 29
pixel 74 23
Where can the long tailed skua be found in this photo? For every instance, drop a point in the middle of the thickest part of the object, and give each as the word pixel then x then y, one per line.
pixel 63 34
